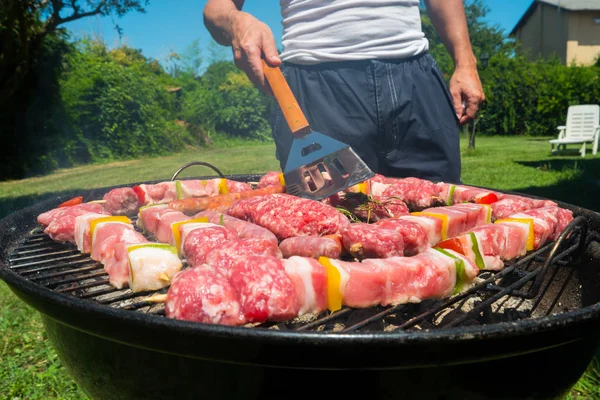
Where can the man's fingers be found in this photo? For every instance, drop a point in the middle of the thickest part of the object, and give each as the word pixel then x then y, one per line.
pixel 458 103
pixel 253 55
pixel 471 108
pixel 269 48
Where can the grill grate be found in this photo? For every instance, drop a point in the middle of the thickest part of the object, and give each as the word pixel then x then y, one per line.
pixel 531 287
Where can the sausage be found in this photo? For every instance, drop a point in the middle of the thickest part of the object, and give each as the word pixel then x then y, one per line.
pixel 220 202
pixel 312 246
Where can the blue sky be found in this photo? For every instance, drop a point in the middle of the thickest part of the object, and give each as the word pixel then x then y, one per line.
pixel 171 25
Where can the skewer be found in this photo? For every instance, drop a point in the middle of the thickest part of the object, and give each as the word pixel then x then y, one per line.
pixel 157 298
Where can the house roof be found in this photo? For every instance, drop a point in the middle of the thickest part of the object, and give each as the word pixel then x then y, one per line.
pixel 569 5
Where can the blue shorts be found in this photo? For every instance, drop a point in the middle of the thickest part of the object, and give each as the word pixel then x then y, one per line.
pixel 397 115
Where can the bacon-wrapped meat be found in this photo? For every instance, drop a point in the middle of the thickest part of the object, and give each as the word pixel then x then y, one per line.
pixel 60 222
pixel 397 280
pixel 310 281
pixel 512 204
pixel 272 178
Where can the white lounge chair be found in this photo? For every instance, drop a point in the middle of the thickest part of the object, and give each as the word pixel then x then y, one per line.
pixel 583 126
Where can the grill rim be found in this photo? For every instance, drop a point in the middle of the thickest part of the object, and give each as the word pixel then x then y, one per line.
pixel 28 290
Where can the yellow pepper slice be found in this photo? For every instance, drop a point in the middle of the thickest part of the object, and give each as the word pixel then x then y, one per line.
pixel 175 229
pixel 334 278
pixel 93 223
pixel 223 189
pixel 362 187
pixel 281 179
pixel 443 217
pixel 530 236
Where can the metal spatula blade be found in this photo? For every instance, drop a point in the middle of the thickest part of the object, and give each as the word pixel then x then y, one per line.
pixel 318 166
pixel 330 167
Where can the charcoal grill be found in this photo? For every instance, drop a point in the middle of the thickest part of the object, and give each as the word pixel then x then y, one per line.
pixel 527 332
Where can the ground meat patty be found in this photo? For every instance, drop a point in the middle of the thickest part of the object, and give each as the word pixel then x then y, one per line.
pixel 265 290
pixel 121 201
pixel 222 256
pixel 312 246
pixel 386 208
pixel 202 294
pixel 371 241
pixel 368 209
pixel 413 235
pixel 288 216
pixel 416 193
pixel 199 242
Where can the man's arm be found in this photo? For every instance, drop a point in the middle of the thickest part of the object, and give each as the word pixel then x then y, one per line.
pixel 449 20
pixel 250 39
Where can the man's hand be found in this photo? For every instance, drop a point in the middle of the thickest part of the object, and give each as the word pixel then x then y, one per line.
pixel 449 20
pixel 467 93
pixel 250 40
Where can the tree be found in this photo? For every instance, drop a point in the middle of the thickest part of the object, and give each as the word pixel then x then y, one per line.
pixel 484 38
pixel 191 58
pixel 34 42
pixel 26 23
pixel 118 106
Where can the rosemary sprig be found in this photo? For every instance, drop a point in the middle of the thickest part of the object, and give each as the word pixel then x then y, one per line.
pixel 348 214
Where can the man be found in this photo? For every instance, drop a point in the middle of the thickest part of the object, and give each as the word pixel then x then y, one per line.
pixel 361 73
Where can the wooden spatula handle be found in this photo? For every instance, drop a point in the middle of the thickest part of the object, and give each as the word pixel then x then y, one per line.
pixel 289 106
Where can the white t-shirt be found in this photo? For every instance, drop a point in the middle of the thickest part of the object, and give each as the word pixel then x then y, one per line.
pixel 338 30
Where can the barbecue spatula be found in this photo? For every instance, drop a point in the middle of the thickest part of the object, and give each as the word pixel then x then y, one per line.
pixel 317 165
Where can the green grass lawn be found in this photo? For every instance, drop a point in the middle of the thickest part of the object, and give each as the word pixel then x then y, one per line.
pixel 29 367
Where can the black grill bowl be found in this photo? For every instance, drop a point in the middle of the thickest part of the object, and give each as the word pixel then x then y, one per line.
pixel 119 354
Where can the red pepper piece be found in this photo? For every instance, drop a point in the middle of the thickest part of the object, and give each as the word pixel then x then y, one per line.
pixel 141 195
pixel 73 202
pixel 452 244
pixel 488 199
